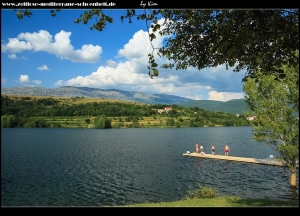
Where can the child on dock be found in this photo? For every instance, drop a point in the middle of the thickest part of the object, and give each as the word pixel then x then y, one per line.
pixel 226 150
pixel 213 149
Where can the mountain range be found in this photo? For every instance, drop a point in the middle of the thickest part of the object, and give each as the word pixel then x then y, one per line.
pixel 232 106
pixel 115 94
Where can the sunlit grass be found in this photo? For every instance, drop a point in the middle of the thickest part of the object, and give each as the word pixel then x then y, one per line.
pixel 224 201
pixel 205 196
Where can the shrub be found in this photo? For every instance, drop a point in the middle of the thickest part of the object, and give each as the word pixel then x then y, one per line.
pixel 202 192
pixel 117 125
pixel 102 122
pixel 91 126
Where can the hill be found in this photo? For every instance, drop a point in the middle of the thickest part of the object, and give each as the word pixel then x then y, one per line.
pixel 86 92
pixel 232 106
pixel 236 106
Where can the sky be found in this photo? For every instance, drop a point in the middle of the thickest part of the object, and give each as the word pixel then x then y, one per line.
pixel 51 52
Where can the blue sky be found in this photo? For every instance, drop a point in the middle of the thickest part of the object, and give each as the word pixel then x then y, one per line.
pixel 51 52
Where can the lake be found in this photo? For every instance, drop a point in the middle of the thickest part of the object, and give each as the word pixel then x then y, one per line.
pixel 111 167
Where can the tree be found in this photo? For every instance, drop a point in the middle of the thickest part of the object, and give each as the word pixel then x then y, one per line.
pixel 102 122
pixel 275 104
pixel 8 121
pixel 262 39
pixel 170 122
pixel 135 121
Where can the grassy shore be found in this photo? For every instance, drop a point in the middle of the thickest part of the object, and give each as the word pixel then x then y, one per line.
pixel 223 201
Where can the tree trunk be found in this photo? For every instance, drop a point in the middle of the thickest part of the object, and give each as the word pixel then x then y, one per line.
pixel 293 179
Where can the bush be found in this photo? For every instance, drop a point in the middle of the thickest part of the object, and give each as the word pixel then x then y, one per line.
pixel 202 192
pixel 91 126
pixel 118 125
pixel 102 122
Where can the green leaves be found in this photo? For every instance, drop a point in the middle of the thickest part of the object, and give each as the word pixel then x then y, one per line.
pixel 53 12
pixel 152 36
pixel 154 64
pixel 96 14
pixel 152 68
pixel 155 72
pixel 274 99
pixel 242 39
pixel 22 13
pixel 165 52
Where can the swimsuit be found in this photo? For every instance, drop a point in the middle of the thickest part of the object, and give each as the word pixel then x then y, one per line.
pixel 226 150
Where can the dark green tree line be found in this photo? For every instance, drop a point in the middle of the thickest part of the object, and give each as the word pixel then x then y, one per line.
pixel 17 113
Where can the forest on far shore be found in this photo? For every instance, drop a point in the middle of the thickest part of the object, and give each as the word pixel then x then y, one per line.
pixel 24 112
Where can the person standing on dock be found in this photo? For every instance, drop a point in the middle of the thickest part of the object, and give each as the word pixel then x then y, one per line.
pixel 201 149
pixel 197 148
pixel 213 149
pixel 226 150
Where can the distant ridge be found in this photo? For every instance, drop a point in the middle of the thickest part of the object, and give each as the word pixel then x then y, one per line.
pixel 71 91
pixel 235 106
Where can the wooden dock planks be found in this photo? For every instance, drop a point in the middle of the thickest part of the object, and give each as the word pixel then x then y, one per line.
pixel 238 159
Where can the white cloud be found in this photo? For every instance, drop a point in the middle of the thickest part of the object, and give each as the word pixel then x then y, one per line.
pixel 224 96
pixel 132 75
pixel 37 82
pixel 110 63
pixel 60 46
pixel 105 76
pixel 43 67
pixel 12 56
pixel 137 47
pixel 59 83
pixel 123 77
pixel 3 80
pixel 15 45
pixel 24 79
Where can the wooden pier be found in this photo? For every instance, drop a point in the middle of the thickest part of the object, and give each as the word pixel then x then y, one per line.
pixel 269 161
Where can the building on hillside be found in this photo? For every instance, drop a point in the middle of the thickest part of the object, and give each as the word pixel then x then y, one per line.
pixel 168 109
pixel 158 110
pixel 250 118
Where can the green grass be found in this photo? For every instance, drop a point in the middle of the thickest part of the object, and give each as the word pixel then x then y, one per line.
pixel 205 196
pixel 224 201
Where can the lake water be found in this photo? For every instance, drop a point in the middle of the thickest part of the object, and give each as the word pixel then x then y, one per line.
pixel 110 167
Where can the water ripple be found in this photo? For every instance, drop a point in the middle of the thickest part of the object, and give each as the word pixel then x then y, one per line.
pixel 79 167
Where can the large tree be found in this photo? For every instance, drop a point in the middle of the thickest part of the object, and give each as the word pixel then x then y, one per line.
pixel 246 39
pixel 275 104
